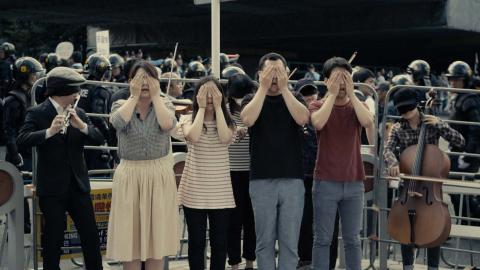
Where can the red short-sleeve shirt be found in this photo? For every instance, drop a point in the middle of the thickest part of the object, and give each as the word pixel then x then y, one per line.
pixel 338 156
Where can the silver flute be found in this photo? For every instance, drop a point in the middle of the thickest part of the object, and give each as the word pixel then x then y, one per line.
pixel 66 122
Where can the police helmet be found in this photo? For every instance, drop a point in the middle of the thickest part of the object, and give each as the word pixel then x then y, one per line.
pixel 116 61
pixel 8 48
pixel 167 65
pixel 459 69
pixel 52 61
pixel 230 71
pixel 401 79
pixel 420 71
pixel 98 67
pixel 24 67
pixel 196 70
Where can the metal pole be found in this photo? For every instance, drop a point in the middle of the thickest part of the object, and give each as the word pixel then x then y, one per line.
pixel 215 7
pixel 34 183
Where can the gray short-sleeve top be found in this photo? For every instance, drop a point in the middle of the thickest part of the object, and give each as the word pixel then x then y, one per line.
pixel 141 140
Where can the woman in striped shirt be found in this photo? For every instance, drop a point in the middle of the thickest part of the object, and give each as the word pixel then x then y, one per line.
pixel 238 87
pixel 205 188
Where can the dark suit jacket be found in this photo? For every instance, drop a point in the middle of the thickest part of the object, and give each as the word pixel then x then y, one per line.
pixel 60 156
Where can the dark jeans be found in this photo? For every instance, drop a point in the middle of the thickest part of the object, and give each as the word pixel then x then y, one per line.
pixel 305 243
pixel 79 206
pixel 433 256
pixel 334 244
pixel 218 220
pixel 241 217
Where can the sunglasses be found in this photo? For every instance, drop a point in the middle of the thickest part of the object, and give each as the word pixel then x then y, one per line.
pixel 406 108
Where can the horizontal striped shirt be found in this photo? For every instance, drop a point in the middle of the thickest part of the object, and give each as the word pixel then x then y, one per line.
pixel 205 182
pixel 240 149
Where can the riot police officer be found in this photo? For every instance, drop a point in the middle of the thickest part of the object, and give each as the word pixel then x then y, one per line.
pixel 196 70
pixel 8 50
pixel 466 107
pixel 402 79
pixel 16 103
pixel 7 59
pixel 42 58
pixel 419 70
pixel 25 73
pixel 117 63
pixel 96 99
pixel 76 61
pixel 167 65
pixel 231 71
pixel 52 60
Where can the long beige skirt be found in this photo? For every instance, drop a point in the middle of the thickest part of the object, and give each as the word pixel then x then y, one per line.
pixel 144 218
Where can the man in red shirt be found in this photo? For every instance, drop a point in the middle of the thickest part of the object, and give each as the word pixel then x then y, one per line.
pixel 339 175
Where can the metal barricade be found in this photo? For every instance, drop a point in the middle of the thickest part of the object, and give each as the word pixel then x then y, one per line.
pixel 382 188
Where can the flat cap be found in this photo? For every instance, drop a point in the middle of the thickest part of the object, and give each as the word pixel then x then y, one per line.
pixel 63 81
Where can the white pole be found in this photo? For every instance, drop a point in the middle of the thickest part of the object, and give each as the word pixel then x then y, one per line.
pixel 215 38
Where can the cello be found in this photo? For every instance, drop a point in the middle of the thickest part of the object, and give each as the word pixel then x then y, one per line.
pixel 419 217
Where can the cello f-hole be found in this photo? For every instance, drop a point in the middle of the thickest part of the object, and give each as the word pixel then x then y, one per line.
pixel 427 196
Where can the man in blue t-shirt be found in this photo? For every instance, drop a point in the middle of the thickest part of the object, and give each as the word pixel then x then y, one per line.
pixel 275 117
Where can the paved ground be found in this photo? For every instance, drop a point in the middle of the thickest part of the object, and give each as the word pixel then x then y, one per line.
pixel 395 257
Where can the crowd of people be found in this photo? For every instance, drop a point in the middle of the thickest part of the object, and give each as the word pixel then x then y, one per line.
pixel 266 160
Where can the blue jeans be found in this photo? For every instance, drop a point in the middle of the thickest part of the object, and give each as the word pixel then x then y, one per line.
pixel 278 210
pixel 347 197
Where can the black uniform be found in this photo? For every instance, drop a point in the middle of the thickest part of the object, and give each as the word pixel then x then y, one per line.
pixel 122 93
pixel 15 107
pixel 5 76
pixel 40 93
pixel 96 99
pixel 467 108
pixel 120 78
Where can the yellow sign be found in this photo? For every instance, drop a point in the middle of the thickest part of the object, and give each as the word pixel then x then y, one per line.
pixel 101 199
